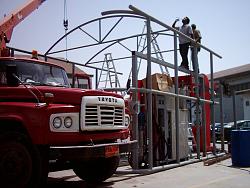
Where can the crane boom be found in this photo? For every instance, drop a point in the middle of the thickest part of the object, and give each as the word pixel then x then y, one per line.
pixel 8 23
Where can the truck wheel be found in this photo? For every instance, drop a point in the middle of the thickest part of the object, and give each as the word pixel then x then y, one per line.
pixel 97 170
pixel 18 162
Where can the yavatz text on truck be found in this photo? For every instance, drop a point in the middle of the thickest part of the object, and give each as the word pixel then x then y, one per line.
pixel 40 113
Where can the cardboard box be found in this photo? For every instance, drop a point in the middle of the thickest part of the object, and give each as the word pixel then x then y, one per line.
pixel 160 82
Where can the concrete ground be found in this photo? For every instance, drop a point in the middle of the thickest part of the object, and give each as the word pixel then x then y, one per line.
pixel 219 175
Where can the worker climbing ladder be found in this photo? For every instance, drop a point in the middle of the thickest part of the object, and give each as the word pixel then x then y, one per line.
pixel 108 75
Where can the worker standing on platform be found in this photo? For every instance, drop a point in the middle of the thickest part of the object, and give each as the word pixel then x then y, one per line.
pixel 197 38
pixel 183 42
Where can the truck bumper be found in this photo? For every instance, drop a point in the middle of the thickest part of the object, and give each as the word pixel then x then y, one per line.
pixel 93 151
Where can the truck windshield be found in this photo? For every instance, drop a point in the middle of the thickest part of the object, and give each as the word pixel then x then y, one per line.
pixel 35 73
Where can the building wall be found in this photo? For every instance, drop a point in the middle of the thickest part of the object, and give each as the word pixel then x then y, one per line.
pixel 246 106
pixel 228 109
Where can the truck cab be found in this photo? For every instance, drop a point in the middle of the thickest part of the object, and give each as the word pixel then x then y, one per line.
pixel 41 114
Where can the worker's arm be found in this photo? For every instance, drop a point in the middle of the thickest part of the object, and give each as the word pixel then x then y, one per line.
pixel 192 36
pixel 173 25
pixel 199 36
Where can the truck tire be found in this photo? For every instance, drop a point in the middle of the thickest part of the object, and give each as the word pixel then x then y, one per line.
pixel 97 170
pixel 20 164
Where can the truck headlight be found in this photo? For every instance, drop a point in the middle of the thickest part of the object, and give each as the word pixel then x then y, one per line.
pixel 57 122
pixel 64 122
pixel 127 120
pixel 68 122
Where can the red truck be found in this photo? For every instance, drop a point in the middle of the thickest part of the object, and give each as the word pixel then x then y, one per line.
pixel 40 113
pixel 42 118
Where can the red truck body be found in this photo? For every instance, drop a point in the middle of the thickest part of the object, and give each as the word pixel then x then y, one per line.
pixel 85 127
pixel 42 118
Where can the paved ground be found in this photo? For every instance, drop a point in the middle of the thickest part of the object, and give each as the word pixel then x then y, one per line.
pixel 220 175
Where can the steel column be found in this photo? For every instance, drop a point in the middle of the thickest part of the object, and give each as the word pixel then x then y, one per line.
pixel 149 98
pixel 96 79
pixel 234 109
pixel 222 117
pixel 176 100
pixel 204 128
pixel 197 95
pixel 73 75
pixel 135 134
pixel 212 104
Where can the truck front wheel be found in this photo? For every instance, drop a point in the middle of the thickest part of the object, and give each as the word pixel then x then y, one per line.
pixel 97 170
pixel 18 161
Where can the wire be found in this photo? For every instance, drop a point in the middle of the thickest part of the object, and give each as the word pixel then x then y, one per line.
pixel 65 24
pixel 65 21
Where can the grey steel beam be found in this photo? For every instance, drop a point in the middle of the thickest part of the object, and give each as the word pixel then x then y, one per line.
pixel 234 109
pixel 96 79
pixel 242 91
pixel 197 95
pixel 177 121
pixel 139 12
pixel 135 134
pixel 163 63
pixel 149 98
pixel 222 117
pixel 171 94
pixel 204 130
pixel 212 99
pixel 73 75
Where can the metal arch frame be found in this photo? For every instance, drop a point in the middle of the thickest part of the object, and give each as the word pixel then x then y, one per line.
pixel 125 14
pixel 102 40
pixel 86 23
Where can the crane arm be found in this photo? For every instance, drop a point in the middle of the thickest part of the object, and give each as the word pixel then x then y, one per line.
pixel 8 23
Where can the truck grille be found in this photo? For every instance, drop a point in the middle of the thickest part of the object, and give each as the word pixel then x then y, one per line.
pixel 102 113
pixel 103 116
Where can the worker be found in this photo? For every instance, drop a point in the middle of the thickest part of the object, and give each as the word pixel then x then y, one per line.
pixel 184 43
pixel 197 38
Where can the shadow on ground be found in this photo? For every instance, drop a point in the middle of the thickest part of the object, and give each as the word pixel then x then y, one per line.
pixel 63 183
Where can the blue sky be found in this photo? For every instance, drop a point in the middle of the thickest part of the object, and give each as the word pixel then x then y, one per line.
pixel 224 25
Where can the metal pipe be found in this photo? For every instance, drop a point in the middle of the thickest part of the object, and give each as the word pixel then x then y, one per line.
pixel 86 23
pixel 169 166
pixel 234 110
pixel 163 63
pixel 222 118
pixel 171 94
pixel 73 75
pixel 197 95
pixel 212 104
pixel 176 100
pixel 96 78
pixel 149 98
pixel 100 30
pixel 242 91
pixel 135 134
pixel 139 12
pixel 46 57
pixel 204 128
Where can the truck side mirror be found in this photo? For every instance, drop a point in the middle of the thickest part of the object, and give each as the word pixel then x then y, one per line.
pixel 11 70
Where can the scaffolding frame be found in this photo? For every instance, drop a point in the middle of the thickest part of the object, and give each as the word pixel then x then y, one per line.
pixel 138 14
pixel 176 95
